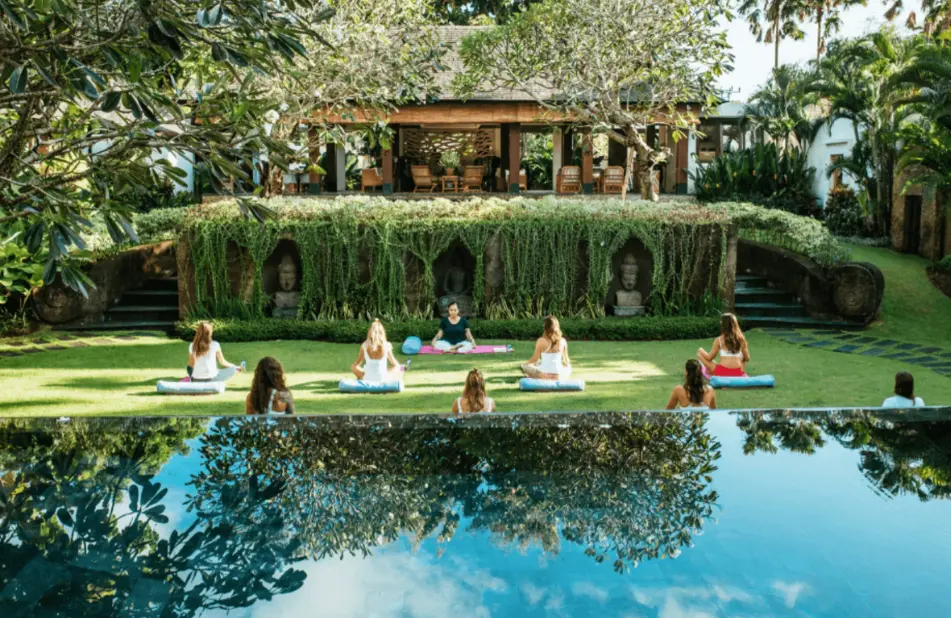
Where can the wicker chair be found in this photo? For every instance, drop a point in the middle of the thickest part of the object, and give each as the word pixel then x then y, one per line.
pixel 472 178
pixel 569 179
pixel 613 181
pixel 371 177
pixel 422 179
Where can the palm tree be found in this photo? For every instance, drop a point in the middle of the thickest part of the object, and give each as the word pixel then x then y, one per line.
pixel 856 81
pixel 937 15
pixel 828 19
pixel 773 20
pixel 782 107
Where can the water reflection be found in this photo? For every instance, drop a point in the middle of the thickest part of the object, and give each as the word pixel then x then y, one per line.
pixel 898 454
pixel 85 528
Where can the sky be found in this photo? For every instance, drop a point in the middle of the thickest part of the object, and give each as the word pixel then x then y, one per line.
pixel 754 61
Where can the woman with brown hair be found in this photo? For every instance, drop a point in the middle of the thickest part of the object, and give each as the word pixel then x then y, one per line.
pixel 693 393
pixel 732 348
pixel 269 394
pixel 473 397
pixel 550 360
pixel 204 356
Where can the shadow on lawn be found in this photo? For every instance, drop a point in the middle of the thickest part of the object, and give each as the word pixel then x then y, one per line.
pixel 106 384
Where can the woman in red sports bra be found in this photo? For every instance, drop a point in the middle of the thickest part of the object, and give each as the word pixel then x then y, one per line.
pixel 731 347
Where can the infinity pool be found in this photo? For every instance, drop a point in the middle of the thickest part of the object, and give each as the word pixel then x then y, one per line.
pixel 650 514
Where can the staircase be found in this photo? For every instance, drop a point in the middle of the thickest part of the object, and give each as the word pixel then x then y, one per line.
pixel 153 306
pixel 760 305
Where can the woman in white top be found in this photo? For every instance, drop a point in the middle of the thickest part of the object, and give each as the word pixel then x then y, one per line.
pixel 550 361
pixel 904 396
pixel 269 394
pixel 473 397
pixel 204 356
pixel 731 346
pixel 376 354
pixel 693 393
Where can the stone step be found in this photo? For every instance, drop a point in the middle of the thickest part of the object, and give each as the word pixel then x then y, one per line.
pixel 762 295
pixel 771 309
pixel 160 313
pixel 160 283
pixel 744 282
pixel 150 297
pixel 761 321
pixel 163 325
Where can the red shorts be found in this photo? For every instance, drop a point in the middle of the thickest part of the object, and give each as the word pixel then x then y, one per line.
pixel 729 372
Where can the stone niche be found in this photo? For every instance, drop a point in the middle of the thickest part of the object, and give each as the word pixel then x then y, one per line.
pixel 454 272
pixel 645 266
pixel 281 278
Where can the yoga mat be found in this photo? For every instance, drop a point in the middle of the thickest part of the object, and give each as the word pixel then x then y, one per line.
pixel 479 349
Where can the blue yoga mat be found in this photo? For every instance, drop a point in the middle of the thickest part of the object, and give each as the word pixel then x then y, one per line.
pixel 359 386
pixel 217 386
pixel 766 381
pixel 535 384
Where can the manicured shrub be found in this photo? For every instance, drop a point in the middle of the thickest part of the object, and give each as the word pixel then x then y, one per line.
pixel 354 331
pixel 843 213
pixel 159 224
pixel 944 265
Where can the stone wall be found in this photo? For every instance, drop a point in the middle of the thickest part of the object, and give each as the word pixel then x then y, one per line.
pixel 935 235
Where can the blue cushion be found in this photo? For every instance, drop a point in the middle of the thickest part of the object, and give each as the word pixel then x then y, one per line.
pixel 359 386
pixel 170 387
pixel 534 384
pixel 412 345
pixel 766 381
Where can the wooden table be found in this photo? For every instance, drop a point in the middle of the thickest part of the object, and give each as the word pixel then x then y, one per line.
pixel 450 184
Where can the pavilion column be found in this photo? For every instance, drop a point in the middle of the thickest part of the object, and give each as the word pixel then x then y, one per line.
pixel 515 156
pixel 557 150
pixel 340 167
pixel 387 163
pixel 568 148
pixel 503 158
pixel 681 162
pixel 587 162
pixel 313 153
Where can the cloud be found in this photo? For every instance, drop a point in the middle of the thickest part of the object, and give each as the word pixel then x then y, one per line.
pixel 589 590
pixel 689 601
pixel 533 594
pixel 790 592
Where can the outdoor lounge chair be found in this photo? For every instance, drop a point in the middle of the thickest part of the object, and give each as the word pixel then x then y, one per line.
pixel 422 179
pixel 613 180
pixel 472 178
pixel 371 177
pixel 569 179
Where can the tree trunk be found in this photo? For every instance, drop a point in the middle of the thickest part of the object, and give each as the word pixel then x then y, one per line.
pixel 629 152
pixel 819 15
pixel 776 41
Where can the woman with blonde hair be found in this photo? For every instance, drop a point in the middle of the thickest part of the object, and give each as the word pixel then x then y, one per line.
pixel 204 356
pixel 376 354
pixel 550 360
pixel 473 397
pixel 732 348
pixel 269 394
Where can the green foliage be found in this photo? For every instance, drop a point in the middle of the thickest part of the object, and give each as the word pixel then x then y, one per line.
pixel 20 273
pixel 843 213
pixel 400 241
pixel 944 265
pixel 159 224
pixel 763 175
pixel 352 331
pixel 537 159
pixel 449 160
pixel 781 108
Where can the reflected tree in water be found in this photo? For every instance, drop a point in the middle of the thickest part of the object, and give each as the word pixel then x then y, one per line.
pixel 83 528
pixel 628 492
pixel 899 457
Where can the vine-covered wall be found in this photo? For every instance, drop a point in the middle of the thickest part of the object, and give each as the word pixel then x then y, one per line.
pixel 372 257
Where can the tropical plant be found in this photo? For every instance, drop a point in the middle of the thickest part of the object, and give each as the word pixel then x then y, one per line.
pixel 936 16
pixel 537 159
pixel 843 214
pixel 479 12
pixel 449 160
pixel 771 21
pixel 762 175
pixel 827 14
pixel 783 108
pixel 614 67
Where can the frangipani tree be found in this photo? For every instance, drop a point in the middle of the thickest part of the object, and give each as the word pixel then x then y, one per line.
pixel 616 67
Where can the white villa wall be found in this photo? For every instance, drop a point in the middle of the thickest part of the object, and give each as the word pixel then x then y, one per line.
pixel 838 141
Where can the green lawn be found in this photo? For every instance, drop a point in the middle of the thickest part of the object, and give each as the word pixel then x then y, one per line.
pixel 119 377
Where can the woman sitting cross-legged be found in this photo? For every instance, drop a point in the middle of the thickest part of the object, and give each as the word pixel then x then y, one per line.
pixel 550 361
pixel 204 356
pixel 694 392
pixel 732 348
pixel 376 354
pixel 454 335
pixel 269 394
pixel 473 397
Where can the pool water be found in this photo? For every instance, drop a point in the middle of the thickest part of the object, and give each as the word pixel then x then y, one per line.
pixel 833 513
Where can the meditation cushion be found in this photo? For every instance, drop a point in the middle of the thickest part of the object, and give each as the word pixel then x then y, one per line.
pixel 535 384
pixel 169 387
pixel 359 386
pixel 766 381
pixel 412 345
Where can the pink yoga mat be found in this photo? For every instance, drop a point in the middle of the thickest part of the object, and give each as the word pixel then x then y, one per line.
pixel 479 349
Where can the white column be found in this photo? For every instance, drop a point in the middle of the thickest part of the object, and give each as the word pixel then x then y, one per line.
pixel 691 160
pixel 341 171
pixel 557 137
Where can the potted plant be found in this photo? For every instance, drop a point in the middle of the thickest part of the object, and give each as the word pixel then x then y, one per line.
pixel 450 161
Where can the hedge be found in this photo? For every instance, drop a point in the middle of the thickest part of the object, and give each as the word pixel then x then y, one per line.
pixel 353 331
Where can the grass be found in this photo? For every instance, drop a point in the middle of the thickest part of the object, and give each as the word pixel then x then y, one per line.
pixel 120 378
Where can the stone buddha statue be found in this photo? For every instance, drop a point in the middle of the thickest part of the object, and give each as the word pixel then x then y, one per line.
pixel 457 289
pixel 287 297
pixel 628 301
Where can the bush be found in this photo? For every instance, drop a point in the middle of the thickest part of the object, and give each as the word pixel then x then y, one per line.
pixel 345 331
pixel 843 213
pixel 943 265
pixel 159 224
